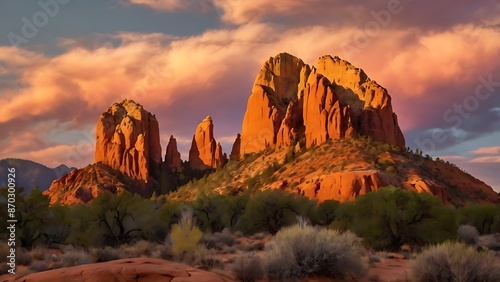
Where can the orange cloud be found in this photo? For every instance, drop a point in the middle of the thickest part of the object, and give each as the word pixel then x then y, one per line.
pixel 487 151
pixel 157 70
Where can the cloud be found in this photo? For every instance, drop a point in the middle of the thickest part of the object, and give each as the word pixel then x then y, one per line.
pixel 489 159
pixel 184 79
pixel 487 151
pixel 174 5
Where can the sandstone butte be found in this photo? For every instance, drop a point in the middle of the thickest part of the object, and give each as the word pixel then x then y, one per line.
pixel 205 152
pixel 128 139
pixel 290 99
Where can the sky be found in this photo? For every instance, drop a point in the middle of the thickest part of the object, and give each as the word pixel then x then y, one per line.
pixel 63 62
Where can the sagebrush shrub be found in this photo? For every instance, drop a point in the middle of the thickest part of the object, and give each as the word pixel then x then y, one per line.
pixel 248 268
pixel 301 251
pixel 218 240
pixel 39 266
pixel 75 257
pixel 141 248
pixel 468 234
pixel 455 262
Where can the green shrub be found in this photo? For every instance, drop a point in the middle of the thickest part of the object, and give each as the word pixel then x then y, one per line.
pixel 302 251
pixel 248 268
pixel 75 257
pixel 272 209
pixel 455 262
pixel 185 236
pixel 485 217
pixel 391 217
pixel 468 234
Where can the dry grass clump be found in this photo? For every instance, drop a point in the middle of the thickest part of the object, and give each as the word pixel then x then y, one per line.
pixel 248 268
pixel 301 251
pixel 75 257
pixel 468 234
pixel 39 266
pixel 455 262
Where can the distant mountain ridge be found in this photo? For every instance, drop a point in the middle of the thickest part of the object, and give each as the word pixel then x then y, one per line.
pixel 30 174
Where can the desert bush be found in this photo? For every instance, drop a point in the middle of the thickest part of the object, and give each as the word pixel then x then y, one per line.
pixel 391 217
pixel 203 258
pixel 23 257
pixel 455 262
pixel 39 266
pixel 248 268
pixel 272 209
pixel 302 251
pixel 485 217
pixel 162 252
pixel 218 240
pixel 75 257
pixel 185 235
pixel 107 254
pixel 468 234
pixel 140 248
pixel 38 253
pixel 324 214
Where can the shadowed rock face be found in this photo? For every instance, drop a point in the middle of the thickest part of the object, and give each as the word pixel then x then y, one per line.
pixel 205 152
pixel 83 185
pixel 128 139
pixel 334 100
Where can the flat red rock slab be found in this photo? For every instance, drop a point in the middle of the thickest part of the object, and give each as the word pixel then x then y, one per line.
pixel 137 269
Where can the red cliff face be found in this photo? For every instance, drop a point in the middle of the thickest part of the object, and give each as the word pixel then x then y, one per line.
pixel 205 152
pixel 172 155
pixel 128 139
pixel 334 100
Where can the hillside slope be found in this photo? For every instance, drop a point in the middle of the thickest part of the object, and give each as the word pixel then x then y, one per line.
pixel 341 170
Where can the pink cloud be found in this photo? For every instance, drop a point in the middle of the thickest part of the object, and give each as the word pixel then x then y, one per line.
pixel 487 151
pixel 489 159
pixel 173 5
pixel 211 73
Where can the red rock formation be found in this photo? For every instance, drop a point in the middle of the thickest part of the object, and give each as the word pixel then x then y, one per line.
pixel 83 185
pixel 275 86
pixel 336 100
pixel 346 186
pixel 128 139
pixel 368 101
pixel 205 152
pixel 235 151
pixel 126 270
pixel 172 155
